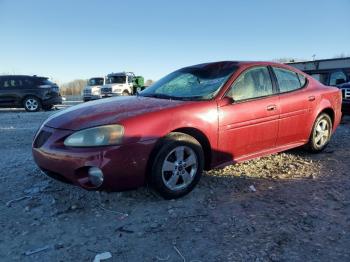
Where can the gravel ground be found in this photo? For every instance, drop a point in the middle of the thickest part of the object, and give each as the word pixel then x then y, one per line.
pixel 291 206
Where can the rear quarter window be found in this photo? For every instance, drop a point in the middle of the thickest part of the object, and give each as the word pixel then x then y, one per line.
pixel 302 80
pixel 44 81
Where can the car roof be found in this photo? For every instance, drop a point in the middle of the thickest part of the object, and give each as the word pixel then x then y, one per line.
pixel 241 63
pixel 245 64
pixel 34 76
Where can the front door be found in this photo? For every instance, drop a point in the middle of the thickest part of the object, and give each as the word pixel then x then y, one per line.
pixel 249 125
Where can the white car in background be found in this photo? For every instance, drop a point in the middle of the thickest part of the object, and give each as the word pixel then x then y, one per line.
pixel 93 89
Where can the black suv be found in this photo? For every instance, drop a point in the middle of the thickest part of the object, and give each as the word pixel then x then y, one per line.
pixel 31 92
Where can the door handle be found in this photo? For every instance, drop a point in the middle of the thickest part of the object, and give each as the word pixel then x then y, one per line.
pixel 271 107
pixel 311 98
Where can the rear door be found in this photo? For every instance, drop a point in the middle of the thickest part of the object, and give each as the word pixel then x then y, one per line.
pixel 250 124
pixel 296 102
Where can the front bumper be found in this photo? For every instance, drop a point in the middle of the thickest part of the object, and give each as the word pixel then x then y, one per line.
pixel 104 95
pixel 55 100
pixel 124 166
pixel 91 97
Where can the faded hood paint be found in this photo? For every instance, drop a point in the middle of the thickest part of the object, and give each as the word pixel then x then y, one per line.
pixel 107 111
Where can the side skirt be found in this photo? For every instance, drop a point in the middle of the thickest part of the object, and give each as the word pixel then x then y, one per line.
pixel 261 154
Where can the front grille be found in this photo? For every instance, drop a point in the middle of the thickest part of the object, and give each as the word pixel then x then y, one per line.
pixel 56 176
pixel 346 93
pixel 87 91
pixel 41 138
pixel 106 89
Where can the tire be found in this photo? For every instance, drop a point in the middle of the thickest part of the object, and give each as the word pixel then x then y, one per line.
pixel 177 166
pixel 47 107
pixel 125 93
pixel 32 104
pixel 321 134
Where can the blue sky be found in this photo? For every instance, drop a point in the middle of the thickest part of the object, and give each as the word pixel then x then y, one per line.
pixel 70 39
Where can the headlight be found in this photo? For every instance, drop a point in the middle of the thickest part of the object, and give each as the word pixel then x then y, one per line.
pixel 96 136
pixel 96 92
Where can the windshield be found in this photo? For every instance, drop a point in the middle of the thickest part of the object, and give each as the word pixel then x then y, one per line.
pixel 200 82
pixel 116 80
pixel 95 81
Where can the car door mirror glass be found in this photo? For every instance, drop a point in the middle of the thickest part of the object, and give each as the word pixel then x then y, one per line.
pixel 227 100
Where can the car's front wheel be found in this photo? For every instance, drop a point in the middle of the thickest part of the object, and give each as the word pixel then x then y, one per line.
pixel 178 165
pixel 321 133
pixel 32 104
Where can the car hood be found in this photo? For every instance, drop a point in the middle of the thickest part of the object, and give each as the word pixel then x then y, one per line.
pixel 107 111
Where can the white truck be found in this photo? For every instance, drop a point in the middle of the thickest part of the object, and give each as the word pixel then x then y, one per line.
pixel 122 84
pixel 92 90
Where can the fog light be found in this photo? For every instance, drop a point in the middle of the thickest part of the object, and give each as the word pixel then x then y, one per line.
pixel 95 176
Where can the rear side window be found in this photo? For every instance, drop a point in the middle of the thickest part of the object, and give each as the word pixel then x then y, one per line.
pixel 11 83
pixel 287 80
pixel 253 83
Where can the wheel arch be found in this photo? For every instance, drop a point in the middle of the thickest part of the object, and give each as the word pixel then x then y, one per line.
pixel 26 96
pixel 195 133
pixel 329 111
pixel 202 139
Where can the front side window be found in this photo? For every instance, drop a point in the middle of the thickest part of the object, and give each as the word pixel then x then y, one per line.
pixel 287 80
pixel 200 82
pixel 28 82
pixel 253 83
pixel 337 78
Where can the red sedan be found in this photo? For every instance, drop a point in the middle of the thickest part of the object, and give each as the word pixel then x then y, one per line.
pixel 194 119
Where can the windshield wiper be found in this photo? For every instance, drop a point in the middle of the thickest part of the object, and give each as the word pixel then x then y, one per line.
pixel 184 98
pixel 161 96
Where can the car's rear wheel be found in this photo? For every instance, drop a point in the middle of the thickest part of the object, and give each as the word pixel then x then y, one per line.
pixel 125 93
pixel 32 104
pixel 321 133
pixel 177 166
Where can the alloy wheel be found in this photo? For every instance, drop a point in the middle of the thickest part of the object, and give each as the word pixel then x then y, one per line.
pixel 32 104
pixel 179 168
pixel 322 133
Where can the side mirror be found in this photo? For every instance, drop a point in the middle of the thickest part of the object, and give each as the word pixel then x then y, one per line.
pixel 227 100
